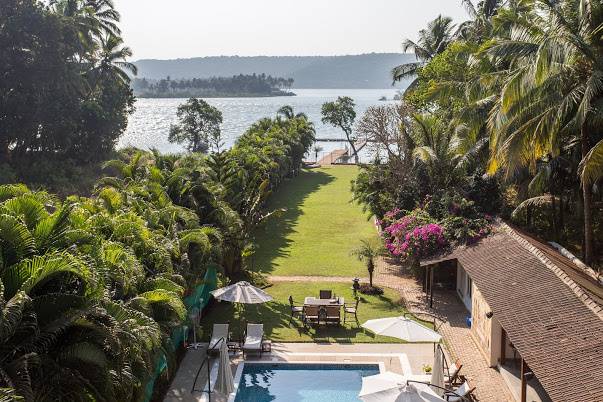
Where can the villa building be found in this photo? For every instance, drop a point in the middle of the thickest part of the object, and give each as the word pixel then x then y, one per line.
pixel 533 314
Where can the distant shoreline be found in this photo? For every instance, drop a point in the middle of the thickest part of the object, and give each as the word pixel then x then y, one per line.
pixel 209 96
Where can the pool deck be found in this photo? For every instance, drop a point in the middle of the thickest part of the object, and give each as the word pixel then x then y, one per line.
pixel 405 359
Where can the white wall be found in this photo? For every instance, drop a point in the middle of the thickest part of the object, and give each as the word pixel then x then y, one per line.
pixel 463 286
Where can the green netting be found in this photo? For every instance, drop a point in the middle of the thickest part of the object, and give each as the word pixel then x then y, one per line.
pixel 200 296
pixel 198 299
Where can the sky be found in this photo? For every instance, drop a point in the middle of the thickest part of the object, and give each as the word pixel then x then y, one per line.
pixel 167 29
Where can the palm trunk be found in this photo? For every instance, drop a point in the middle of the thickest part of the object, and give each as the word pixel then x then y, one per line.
pixel 587 202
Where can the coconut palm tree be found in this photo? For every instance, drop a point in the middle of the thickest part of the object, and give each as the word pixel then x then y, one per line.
pixel 432 41
pixel 552 96
pixel 435 148
pixel 111 61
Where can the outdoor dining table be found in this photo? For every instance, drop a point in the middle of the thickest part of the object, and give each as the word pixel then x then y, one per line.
pixel 315 301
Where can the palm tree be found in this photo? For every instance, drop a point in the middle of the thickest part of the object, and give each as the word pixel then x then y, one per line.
pixel 551 99
pixel 111 62
pixel 317 149
pixel 432 41
pixel 435 147
pixel 480 26
pixel 367 252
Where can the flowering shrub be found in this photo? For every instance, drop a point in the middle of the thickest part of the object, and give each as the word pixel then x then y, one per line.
pixel 418 235
pixel 422 241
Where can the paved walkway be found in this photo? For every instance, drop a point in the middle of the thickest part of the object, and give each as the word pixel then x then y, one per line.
pixel 457 336
pixel 338 279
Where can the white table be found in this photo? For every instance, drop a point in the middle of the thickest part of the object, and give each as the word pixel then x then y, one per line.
pixel 314 301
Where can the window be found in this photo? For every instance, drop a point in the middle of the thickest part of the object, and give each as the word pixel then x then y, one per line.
pixel 469 286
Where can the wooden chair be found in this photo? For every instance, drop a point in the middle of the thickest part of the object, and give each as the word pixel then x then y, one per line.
pixel 333 314
pixel 310 314
pixel 296 310
pixel 325 294
pixel 351 309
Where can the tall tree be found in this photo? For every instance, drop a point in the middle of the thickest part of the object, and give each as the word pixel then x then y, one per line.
pixel 341 114
pixel 553 94
pixel 199 125
pixel 432 41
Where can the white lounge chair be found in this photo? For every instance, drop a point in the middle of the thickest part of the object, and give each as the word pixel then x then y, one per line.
pixel 219 334
pixel 464 391
pixel 254 336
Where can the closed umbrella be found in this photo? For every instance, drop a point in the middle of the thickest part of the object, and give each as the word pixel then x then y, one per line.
pixel 242 292
pixel 437 378
pixel 391 387
pixel 402 328
pixel 224 382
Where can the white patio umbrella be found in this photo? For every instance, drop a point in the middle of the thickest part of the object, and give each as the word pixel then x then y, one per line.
pixel 391 387
pixel 224 383
pixel 437 378
pixel 402 328
pixel 241 292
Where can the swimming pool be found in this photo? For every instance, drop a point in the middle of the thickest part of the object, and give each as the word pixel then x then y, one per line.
pixel 302 382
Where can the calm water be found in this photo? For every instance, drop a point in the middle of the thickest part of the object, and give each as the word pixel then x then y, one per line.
pixel 150 124
pixel 302 382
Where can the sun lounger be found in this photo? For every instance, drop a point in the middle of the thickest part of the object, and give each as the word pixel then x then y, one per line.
pixel 254 335
pixel 219 334
pixel 454 371
pixel 464 391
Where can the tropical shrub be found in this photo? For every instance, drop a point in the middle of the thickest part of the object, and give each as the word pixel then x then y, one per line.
pixel 433 228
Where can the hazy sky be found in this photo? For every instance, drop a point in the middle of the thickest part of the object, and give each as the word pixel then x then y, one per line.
pixel 166 29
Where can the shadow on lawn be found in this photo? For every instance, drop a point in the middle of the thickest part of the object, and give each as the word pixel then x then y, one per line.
pixel 271 238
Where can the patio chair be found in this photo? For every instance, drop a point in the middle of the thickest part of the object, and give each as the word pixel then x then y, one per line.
pixel 325 294
pixel 453 373
pixel 333 314
pixel 254 336
pixel 219 334
pixel 465 391
pixel 310 314
pixel 351 309
pixel 296 310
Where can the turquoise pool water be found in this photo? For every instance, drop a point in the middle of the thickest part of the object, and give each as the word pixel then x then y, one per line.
pixel 274 382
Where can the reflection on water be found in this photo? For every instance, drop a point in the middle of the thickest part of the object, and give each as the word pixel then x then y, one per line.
pixel 149 126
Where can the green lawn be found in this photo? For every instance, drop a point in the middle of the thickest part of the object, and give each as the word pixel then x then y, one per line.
pixel 276 318
pixel 318 230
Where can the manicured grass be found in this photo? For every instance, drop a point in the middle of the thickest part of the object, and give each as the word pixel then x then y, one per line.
pixel 320 227
pixel 276 317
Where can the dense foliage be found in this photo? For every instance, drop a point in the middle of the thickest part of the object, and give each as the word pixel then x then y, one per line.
pixel 91 288
pixel 198 127
pixel 64 93
pixel 505 113
pixel 237 85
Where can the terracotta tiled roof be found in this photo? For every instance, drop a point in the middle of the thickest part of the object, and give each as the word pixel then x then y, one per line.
pixel 555 325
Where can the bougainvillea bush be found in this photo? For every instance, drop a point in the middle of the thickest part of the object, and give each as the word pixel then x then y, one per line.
pixel 418 234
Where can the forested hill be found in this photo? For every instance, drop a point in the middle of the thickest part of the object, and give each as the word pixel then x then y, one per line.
pixel 358 71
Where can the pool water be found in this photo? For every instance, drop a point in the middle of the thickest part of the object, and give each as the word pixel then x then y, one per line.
pixel 264 382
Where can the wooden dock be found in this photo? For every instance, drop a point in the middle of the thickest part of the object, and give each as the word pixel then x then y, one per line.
pixel 332 157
